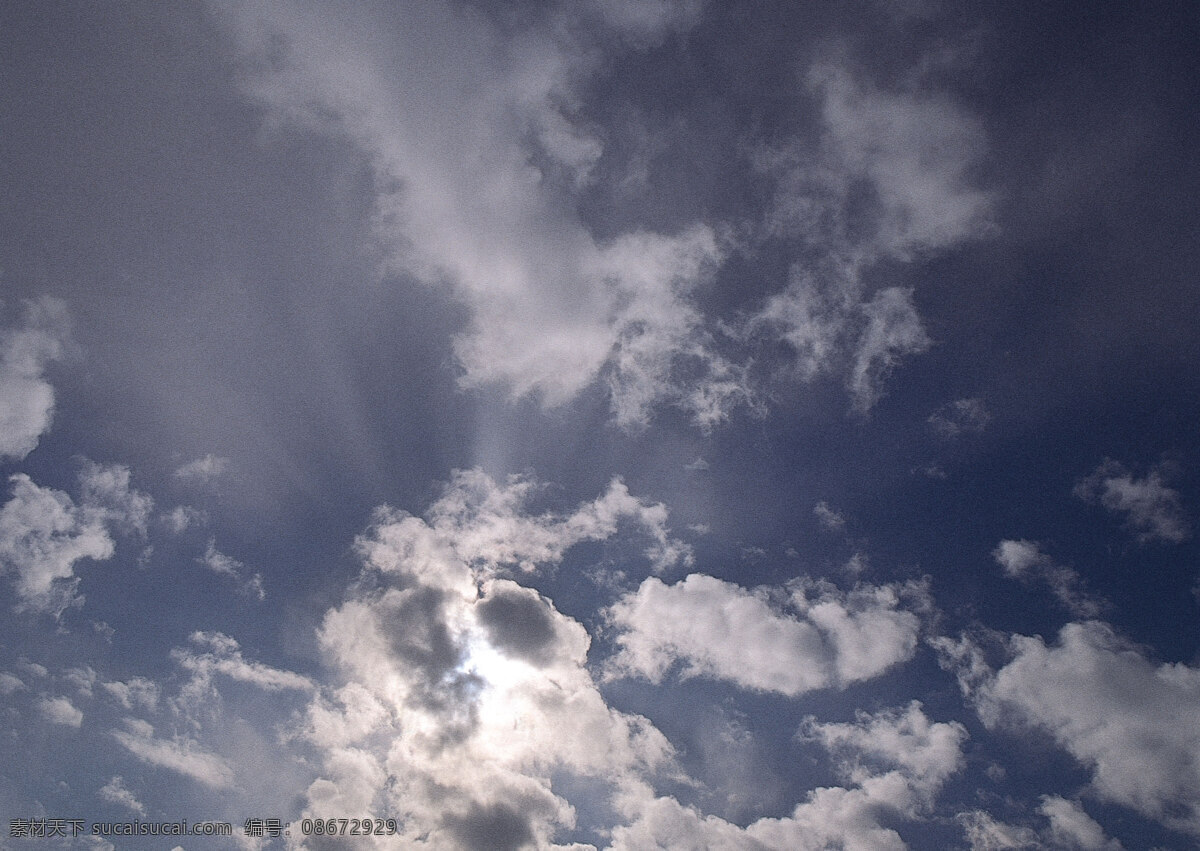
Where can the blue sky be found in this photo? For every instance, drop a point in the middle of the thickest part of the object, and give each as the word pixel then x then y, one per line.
pixel 602 424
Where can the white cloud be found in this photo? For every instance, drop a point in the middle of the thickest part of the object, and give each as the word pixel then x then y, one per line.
pixel 895 763
pixel 105 491
pixel 824 638
pixel 908 153
pixel 1151 508
pixel 26 398
pixel 985 833
pixel 202 470
pixel 962 416
pixel 134 692
pixel 479 522
pixel 1071 827
pixel 182 517
pixel 1133 723
pixel 464 692
pixel 60 710
pixel 179 754
pixel 219 562
pixel 828 517
pixel 115 792
pixel 452 112
pixel 10 683
pixel 222 655
pixel 1024 560
pixel 893 330
pixel 42 535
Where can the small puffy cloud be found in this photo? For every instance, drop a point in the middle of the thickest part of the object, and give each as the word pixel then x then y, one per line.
pixel 220 563
pixel 823 638
pixel 60 710
pixel 26 398
pixel 829 518
pixel 1133 723
pixel 179 754
pixel 202 470
pixel 1152 509
pixel 115 792
pixel 1025 561
pixel 962 416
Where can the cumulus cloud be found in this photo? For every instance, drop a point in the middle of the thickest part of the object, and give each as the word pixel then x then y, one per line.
pixel 459 693
pixel 1133 723
pixel 1152 509
pixel 821 638
pixel 60 710
pixel 116 792
pixel 1024 560
pixel 26 397
pixel 44 533
pixel 962 416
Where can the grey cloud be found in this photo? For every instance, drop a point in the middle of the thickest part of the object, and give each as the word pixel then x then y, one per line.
pixel 518 621
pixel 494 826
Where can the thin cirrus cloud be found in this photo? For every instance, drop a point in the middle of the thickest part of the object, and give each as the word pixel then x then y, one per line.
pixel 1025 561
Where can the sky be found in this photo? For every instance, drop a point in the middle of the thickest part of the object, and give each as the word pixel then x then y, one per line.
pixel 601 424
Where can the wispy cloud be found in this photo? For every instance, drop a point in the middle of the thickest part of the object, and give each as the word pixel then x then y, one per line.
pixel 1151 508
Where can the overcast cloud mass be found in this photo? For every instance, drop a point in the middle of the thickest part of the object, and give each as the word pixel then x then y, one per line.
pixel 611 424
